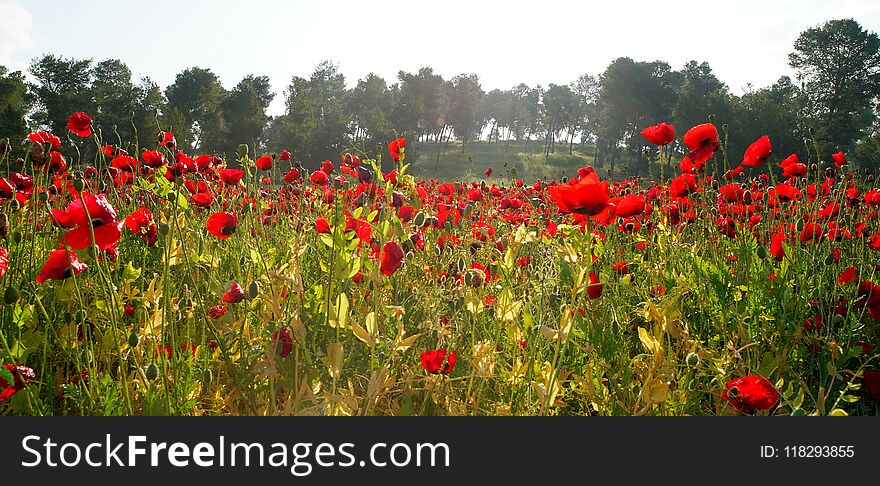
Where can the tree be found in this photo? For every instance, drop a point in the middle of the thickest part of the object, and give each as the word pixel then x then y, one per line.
pixel 369 106
pixel 465 95
pixel 115 100
pixel 839 66
pixel 14 106
pixel 198 96
pixel 245 112
pixel 61 87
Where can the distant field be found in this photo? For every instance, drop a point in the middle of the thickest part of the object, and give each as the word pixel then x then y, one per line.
pixel 526 157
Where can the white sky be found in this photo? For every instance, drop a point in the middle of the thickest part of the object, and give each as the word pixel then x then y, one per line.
pixel 505 43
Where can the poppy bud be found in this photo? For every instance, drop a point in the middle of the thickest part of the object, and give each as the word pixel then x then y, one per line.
pixel 460 264
pixel 554 298
pixel 253 290
pixel 800 225
pixel 44 196
pixel 78 184
pixel 798 412
pixel 15 204
pixel 814 167
pixel 152 372
pixel 829 172
pixel 164 228
pixel 733 392
pixel 693 359
pixel 714 184
pixel 761 252
pixel 434 221
pixel 871 178
pixel 81 315
pixel 93 250
pixel 838 319
pixel 11 295
pixel 133 340
pixel 16 236
pixel 829 260
pixel 747 197
pixel 419 220
pixel 207 376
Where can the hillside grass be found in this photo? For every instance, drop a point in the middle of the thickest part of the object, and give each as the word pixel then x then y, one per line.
pixel 520 160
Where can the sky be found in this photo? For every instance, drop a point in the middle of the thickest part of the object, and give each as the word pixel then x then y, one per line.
pixel 504 43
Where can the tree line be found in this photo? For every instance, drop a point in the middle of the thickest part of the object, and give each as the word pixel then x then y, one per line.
pixel 833 100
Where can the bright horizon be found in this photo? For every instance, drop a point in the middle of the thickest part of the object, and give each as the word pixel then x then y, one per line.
pixel 745 42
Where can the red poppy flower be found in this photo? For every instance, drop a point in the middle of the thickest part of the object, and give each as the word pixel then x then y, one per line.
pixel 702 136
pixel 758 152
pixel 588 196
pixel 871 380
pixel 45 137
pixel 57 164
pixel 391 259
pixel 203 199
pixel 283 342
pixel 80 124
pixel 4 261
pixel 217 311
pixel 21 375
pixel 153 158
pixel 99 212
pixel 683 185
pixel 319 178
pixel 630 205
pixel 285 155
pixel 292 175
pixel 58 267
pixel 327 167
pixel 106 236
pixel 488 172
pixel 231 177
pixel 839 159
pixel 594 290
pixel 751 393
pixel 622 268
pixel 142 224
pixel 168 351
pixel 222 224
pixel 322 226
pixel 397 148
pixel 166 139
pixel 264 162
pixel 660 134
pixel 848 275
pixel 234 295
pixel 435 361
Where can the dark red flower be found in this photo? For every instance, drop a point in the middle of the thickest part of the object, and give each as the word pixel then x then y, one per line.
pixel 21 376
pixel 391 259
pixel 142 224
pixel 594 290
pixel 285 155
pixel 58 267
pixel 588 196
pixel 630 205
pixel 751 393
pixel 839 159
pixel 292 175
pixel 848 275
pixel 435 361
pixel 660 134
pixel 222 224
pixel 488 172
pixel 758 152
pixel 283 342
pixel 327 167
pixel 264 162
pixel 871 380
pixel 234 295
pixel 203 199
pixel 80 124
pixel 397 148
pixel 217 311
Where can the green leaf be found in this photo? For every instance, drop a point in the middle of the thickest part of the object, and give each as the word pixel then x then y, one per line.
pixel 339 312
pixel 6 376
pixel 130 273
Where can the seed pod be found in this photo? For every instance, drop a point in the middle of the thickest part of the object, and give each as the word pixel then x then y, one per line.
pixel 800 225
pixel 419 220
pixel 693 359
pixel 44 196
pixel 798 412
pixel 152 372
pixel 761 252
pixel 11 295
pixel 164 229
pixel 78 184
pixel 253 290
pixel 16 236
pixel 81 315
pixel 133 340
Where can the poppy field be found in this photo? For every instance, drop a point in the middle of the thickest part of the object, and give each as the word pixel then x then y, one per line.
pixel 148 281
